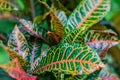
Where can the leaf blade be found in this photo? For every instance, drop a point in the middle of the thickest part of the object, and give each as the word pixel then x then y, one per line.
pixel 87 13
pixel 70 58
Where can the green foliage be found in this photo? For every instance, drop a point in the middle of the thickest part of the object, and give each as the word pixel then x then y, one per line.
pixel 75 44
pixel 87 13
pixel 74 59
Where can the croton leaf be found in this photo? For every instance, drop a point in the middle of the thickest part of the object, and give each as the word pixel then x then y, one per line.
pixel 15 71
pixel 13 55
pixel 34 30
pixel 62 17
pixel 75 59
pixel 101 40
pixel 38 60
pixel 18 43
pixel 35 48
pixel 96 39
pixel 56 24
pixel 87 13
pixel 7 5
pixel 75 35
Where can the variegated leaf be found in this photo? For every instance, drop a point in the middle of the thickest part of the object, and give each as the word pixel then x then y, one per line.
pixel 24 64
pixel 7 5
pixel 87 13
pixel 14 69
pixel 98 40
pixel 101 40
pixel 35 48
pixel 34 30
pixel 18 43
pixel 62 17
pixel 38 60
pixel 60 6
pixel 75 59
pixel 56 25
pixel 76 35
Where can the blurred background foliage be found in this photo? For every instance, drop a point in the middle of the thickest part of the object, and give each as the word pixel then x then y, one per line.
pixel 32 10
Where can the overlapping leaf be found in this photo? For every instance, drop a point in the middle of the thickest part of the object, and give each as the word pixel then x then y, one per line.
pixel 35 48
pixel 75 59
pixel 76 35
pixel 101 40
pixel 13 55
pixel 87 13
pixel 34 30
pixel 38 60
pixel 15 71
pixel 62 17
pixel 56 24
pixel 98 40
pixel 18 43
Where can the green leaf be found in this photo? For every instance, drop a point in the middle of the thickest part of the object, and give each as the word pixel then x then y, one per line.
pixel 87 13
pixel 18 43
pixel 4 57
pixel 75 59
pixel 75 35
pixel 62 17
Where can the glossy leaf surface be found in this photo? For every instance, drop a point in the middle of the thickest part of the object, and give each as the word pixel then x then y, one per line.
pixel 87 13
pixel 70 58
